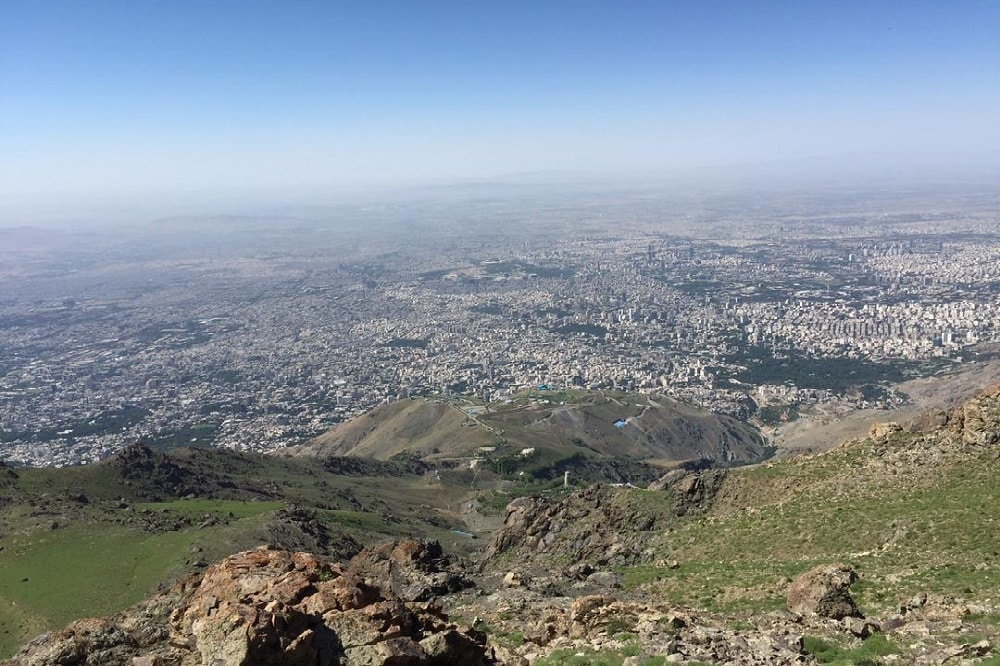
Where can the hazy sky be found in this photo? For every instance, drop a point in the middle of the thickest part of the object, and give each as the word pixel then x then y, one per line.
pixel 106 97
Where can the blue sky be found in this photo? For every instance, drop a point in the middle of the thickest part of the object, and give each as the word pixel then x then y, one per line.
pixel 101 97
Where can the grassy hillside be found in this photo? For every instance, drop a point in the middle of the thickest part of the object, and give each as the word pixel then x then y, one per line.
pixel 912 514
pixel 557 424
pixel 93 540
pixel 48 578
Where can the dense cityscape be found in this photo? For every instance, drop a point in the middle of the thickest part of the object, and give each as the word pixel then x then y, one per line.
pixel 257 333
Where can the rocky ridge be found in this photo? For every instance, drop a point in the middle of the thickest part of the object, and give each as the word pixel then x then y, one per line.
pixel 269 606
pixel 600 525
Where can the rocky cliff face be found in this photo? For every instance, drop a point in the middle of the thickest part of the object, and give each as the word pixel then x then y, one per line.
pixel 268 606
pixel 977 422
pixel 600 525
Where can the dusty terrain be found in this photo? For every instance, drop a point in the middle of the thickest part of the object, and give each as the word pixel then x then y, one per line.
pixel 819 429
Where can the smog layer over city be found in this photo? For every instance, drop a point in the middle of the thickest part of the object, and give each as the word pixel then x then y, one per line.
pixel 261 332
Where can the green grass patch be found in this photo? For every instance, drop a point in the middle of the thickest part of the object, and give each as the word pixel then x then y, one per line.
pixel 48 579
pixel 494 502
pixel 868 652
pixel 200 507
pixel 508 639
pixel 356 520
pixel 748 586
pixel 198 434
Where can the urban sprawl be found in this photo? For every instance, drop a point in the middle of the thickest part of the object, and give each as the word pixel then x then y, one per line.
pixel 247 337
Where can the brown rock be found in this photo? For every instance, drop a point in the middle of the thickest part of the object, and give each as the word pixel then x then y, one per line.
pixel 824 591
pixel 860 627
pixel 345 592
pixel 881 432
pixel 513 579
pixel 392 652
pixel 547 628
pixel 605 579
pixel 409 569
pixel 977 422
pixel 584 608
pixel 453 647
pixel 267 607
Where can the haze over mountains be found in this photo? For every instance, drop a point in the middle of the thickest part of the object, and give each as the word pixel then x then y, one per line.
pixel 259 332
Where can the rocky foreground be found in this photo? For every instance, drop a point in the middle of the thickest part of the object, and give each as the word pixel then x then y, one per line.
pixel 268 606
pixel 550 586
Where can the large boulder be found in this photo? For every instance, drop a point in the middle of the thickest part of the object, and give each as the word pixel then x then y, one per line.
pixel 824 591
pixel 409 569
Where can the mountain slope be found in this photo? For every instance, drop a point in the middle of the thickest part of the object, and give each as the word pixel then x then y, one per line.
pixel 597 425
pixel 420 427
pixel 915 514
pixel 695 568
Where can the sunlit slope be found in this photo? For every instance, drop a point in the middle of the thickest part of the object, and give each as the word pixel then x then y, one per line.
pixel 595 425
pixel 912 512
pixel 424 428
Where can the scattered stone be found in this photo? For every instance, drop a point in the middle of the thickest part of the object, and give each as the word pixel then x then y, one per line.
pixel 579 571
pixel 605 579
pixel 513 579
pixel 860 627
pixel 913 603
